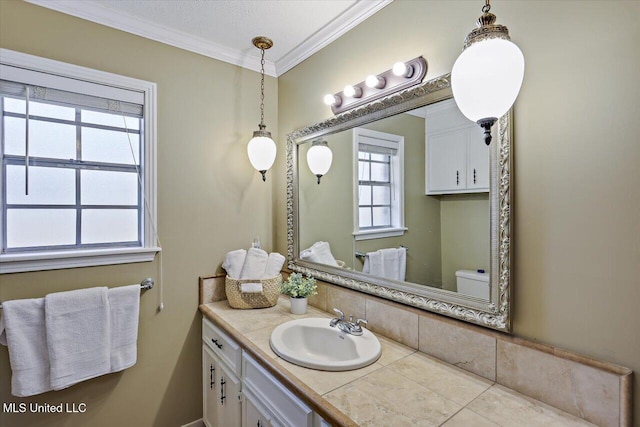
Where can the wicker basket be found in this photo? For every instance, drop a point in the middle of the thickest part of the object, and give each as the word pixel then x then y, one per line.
pixel 267 298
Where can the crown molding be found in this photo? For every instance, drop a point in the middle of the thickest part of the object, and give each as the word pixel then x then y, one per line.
pixel 353 16
pixel 160 33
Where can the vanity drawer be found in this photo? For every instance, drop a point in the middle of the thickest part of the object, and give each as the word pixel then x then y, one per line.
pixel 222 345
pixel 288 409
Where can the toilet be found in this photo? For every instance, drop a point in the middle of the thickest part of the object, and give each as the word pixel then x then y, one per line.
pixel 473 283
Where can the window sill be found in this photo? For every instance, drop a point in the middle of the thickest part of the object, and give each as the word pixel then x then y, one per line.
pixel 380 233
pixel 40 261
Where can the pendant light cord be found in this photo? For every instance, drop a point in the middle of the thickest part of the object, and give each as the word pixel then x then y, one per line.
pixel 487 6
pixel 262 125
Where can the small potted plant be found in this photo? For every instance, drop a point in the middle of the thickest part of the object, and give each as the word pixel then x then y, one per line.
pixel 299 288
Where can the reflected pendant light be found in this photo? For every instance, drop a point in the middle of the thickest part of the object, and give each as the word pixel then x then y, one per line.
pixel 487 76
pixel 319 158
pixel 262 148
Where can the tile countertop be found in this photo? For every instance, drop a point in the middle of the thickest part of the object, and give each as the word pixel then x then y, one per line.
pixel 403 388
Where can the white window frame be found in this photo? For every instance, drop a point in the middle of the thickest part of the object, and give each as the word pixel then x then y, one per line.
pixel 57 259
pixel 398 229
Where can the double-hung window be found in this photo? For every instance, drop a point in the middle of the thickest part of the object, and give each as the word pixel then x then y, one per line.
pixel 379 190
pixel 78 166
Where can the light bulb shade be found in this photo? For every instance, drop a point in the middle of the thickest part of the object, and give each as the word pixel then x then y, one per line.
pixel 261 150
pixel 487 77
pixel 319 158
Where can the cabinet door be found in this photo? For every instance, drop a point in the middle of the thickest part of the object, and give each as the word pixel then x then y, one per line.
pixel 210 411
pixel 478 155
pixel 254 415
pixel 229 398
pixel 446 161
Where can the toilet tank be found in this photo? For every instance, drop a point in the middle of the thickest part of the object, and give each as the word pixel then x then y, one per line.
pixel 473 283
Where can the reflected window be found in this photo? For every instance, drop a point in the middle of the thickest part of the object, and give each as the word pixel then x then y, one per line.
pixel 379 184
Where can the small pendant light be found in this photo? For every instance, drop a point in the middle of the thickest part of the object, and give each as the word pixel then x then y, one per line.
pixel 319 158
pixel 488 74
pixel 262 148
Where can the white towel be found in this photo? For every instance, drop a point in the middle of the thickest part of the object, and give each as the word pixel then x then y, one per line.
pixel 251 288
pixel 233 263
pixel 124 308
pixel 274 265
pixel 255 264
pixel 24 333
pixel 402 263
pixel 375 263
pixel 310 255
pixel 324 252
pixel 78 335
pixel 366 267
pixel 390 267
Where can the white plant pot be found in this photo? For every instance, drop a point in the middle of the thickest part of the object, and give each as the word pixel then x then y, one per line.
pixel 298 305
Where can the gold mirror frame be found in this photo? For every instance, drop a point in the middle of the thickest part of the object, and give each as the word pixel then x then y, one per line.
pixel 495 313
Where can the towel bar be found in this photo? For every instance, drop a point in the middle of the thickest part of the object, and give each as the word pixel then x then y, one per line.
pixel 146 284
pixel 363 255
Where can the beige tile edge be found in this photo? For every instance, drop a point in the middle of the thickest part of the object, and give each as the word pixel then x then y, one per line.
pixel 626 399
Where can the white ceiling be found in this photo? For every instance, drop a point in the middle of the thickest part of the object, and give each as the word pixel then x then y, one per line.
pixel 223 29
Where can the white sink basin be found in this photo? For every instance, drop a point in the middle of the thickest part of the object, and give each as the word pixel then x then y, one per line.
pixel 312 343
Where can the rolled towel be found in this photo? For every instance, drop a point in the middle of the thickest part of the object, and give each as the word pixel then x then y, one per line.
pixel 310 255
pixel 255 264
pixel 274 265
pixel 233 262
pixel 24 333
pixel 324 252
pixel 124 306
pixel 251 288
pixel 78 335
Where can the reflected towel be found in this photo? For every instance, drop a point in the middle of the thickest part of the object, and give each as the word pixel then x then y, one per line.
pixel 324 253
pixel 255 264
pixel 390 265
pixel 233 263
pixel 402 263
pixel 78 335
pixel 124 308
pixel 375 263
pixel 274 265
pixel 22 329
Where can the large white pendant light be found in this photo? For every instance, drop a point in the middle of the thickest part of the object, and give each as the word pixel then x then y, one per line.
pixel 262 148
pixel 488 74
pixel 319 158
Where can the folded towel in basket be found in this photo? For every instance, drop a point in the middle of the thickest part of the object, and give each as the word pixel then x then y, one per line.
pixel 251 288
pixel 78 335
pixel 233 262
pixel 25 335
pixel 255 264
pixel 274 265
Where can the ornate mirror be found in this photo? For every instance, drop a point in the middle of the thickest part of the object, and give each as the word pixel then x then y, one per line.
pixel 415 208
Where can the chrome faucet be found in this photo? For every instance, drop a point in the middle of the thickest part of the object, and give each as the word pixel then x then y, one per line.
pixel 347 327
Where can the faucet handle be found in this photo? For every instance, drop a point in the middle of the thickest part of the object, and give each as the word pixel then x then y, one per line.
pixel 361 322
pixel 341 314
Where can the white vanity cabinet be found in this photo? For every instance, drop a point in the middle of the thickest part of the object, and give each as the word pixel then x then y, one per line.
pixel 456 157
pixel 239 392
pixel 221 394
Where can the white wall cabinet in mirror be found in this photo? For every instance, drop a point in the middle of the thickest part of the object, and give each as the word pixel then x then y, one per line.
pixel 457 159
pixel 460 231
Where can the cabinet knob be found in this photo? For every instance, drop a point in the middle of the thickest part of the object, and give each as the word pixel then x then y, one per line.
pixel 474 175
pixel 216 343
pixel 211 380
pixel 457 177
pixel 222 396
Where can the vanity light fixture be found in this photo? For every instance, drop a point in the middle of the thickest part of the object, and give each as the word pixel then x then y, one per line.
pixel 319 158
pixel 401 76
pixel 262 148
pixel 487 76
